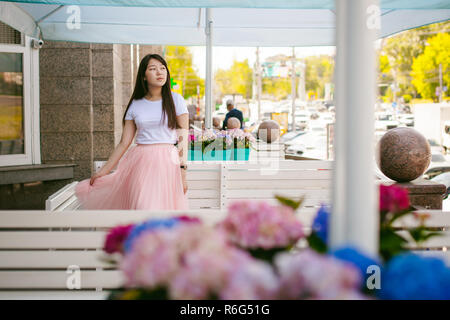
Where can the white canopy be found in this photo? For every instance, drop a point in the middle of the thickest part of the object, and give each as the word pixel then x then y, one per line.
pixel 182 22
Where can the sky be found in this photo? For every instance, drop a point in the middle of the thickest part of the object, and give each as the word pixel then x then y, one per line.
pixel 223 57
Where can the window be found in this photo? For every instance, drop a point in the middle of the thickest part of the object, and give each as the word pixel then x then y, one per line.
pixel 19 104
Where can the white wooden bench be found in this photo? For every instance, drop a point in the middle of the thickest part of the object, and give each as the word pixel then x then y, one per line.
pixel 214 185
pixel 40 249
pixel 37 248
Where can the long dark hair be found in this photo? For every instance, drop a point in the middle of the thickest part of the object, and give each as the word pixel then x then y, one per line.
pixel 141 89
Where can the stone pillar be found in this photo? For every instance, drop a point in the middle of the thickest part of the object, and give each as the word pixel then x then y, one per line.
pixel 104 97
pixel 66 114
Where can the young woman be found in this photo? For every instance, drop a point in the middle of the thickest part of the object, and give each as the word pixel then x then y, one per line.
pixel 152 174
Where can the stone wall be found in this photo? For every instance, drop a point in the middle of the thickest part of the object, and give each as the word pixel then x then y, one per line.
pixel 66 105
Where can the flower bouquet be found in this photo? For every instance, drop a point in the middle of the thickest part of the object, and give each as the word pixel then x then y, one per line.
pixel 403 275
pixel 195 146
pixel 220 148
pixel 393 204
pixel 181 258
pixel 262 229
pixel 252 254
pixel 242 142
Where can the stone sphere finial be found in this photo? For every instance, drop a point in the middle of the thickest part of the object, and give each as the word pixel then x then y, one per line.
pixel 269 131
pixel 403 154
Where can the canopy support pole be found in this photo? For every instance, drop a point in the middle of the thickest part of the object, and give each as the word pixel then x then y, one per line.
pixel 258 83
pixel 293 89
pixel 208 82
pixel 354 219
pixel 49 14
pixel 19 19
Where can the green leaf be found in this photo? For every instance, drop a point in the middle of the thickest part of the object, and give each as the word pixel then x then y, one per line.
pixel 391 243
pixel 266 254
pixel 316 243
pixel 421 234
pixel 290 202
pixel 399 214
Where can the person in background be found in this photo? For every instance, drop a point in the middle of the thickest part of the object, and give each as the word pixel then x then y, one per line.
pixel 232 112
pixel 216 123
pixel 192 108
pixel 233 123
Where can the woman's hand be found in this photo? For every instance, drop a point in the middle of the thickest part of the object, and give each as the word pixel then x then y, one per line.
pixel 97 175
pixel 183 176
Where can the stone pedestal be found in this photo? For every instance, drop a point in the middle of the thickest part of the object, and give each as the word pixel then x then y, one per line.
pixel 423 194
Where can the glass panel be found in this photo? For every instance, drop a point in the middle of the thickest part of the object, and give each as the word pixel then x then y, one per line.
pixel 11 104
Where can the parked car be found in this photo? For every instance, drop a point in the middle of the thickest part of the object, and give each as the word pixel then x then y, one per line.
pixel 295 149
pixel 443 178
pixel 302 119
pixel 436 147
pixel 385 121
pixel 446 136
pixel 291 135
pixel 439 164
pixel 407 120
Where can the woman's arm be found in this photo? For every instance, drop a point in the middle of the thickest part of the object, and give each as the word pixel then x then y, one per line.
pixel 183 133
pixel 129 131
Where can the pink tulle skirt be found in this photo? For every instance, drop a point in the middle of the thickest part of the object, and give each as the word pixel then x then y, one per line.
pixel 148 177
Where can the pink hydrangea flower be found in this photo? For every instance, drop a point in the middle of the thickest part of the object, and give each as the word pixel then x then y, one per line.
pixel 257 224
pixel 157 256
pixel 194 261
pixel 115 239
pixel 309 275
pixel 393 198
pixel 206 271
pixel 255 280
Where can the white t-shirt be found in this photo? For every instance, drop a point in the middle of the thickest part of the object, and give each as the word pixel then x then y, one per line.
pixel 148 118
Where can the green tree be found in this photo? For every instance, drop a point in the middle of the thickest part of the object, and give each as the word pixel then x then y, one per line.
pixel 384 76
pixel 319 71
pixel 425 68
pixel 397 54
pixel 279 88
pixel 179 60
pixel 236 80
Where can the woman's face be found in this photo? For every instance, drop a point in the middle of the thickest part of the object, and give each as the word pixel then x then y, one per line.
pixel 156 73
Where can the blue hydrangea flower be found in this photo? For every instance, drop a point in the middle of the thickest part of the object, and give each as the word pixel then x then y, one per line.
pixel 412 277
pixel 149 225
pixel 320 223
pixel 359 260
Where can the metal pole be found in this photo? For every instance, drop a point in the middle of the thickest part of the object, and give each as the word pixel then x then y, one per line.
pixel 258 83
pixel 293 91
pixel 301 83
pixel 354 193
pixel 208 82
pixel 440 83
pixel 337 219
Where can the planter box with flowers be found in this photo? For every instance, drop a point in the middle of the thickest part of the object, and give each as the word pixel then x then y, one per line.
pixel 252 254
pixel 225 145
pixel 242 143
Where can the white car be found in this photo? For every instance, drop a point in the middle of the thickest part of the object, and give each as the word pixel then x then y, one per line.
pixel 302 119
pixel 407 120
pixel 439 164
pixel 296 149
pixel 385 121
pixel 312 144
